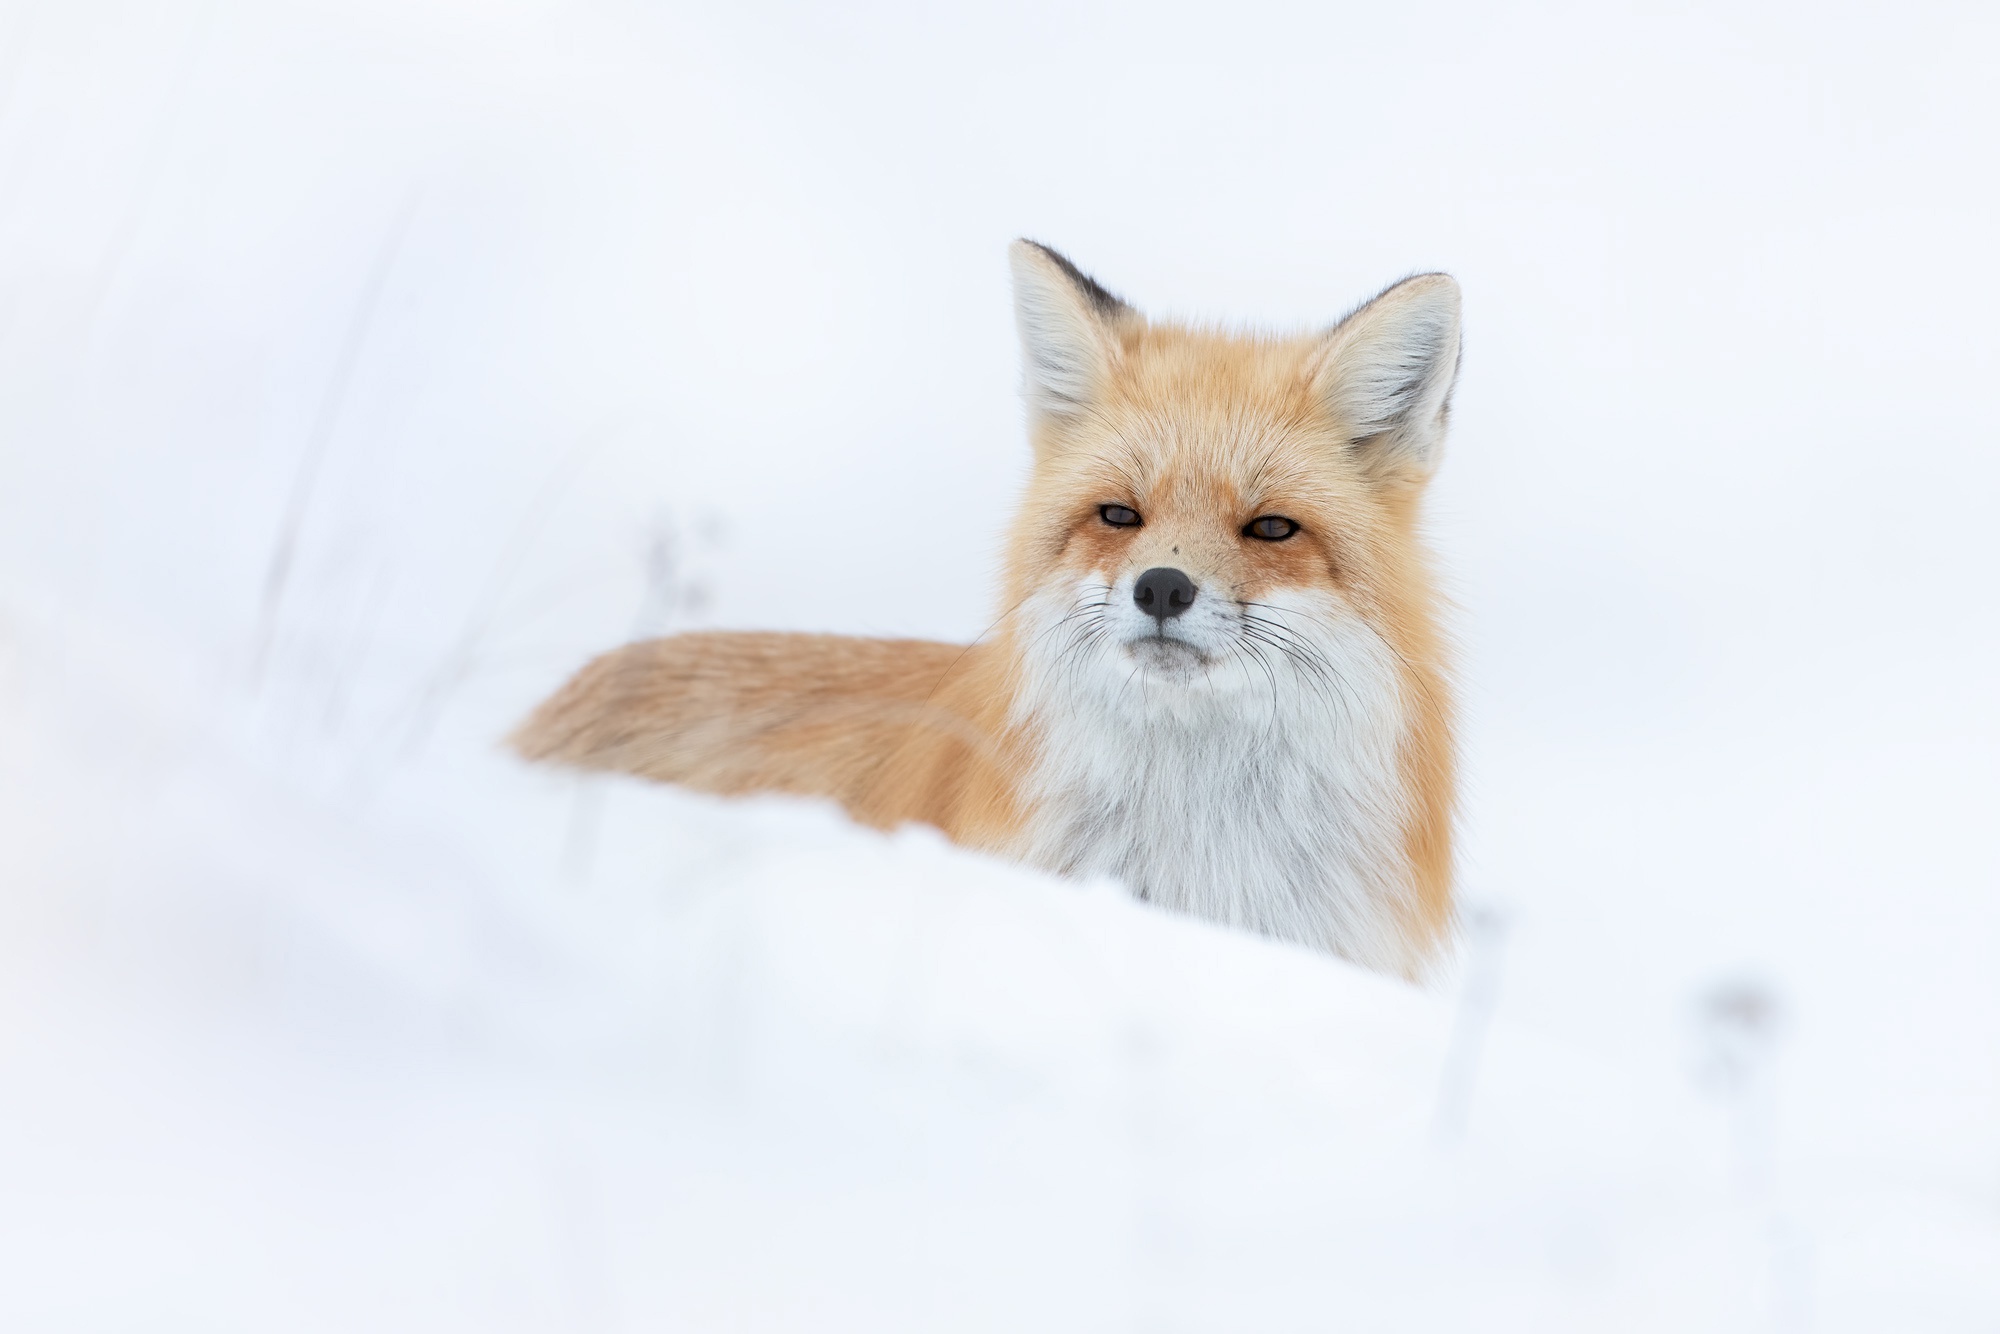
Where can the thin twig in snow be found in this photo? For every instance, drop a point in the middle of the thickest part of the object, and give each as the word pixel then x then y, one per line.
pixel 285 550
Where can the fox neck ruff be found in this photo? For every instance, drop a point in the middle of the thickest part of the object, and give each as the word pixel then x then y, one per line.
pixel 1243 768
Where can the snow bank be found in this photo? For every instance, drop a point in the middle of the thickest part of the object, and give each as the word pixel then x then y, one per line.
pixel 278 1060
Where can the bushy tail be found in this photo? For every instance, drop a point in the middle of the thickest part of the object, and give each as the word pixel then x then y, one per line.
pixel 857 720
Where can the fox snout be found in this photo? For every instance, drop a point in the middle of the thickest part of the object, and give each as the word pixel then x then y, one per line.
pixel 1163 593
pixel 1170 620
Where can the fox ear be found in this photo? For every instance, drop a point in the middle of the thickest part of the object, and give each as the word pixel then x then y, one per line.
pixel 1067 322
pixel 1385 373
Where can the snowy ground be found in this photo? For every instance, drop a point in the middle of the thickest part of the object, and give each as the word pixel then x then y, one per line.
pixel 364 367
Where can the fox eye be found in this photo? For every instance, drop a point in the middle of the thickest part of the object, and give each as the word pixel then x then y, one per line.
pixel 1118 516
pixel 1270 528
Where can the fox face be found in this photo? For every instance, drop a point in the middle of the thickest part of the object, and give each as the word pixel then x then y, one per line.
pixel 1197 562
pixel 1230 679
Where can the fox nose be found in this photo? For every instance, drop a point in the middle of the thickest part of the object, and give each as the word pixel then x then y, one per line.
pixel 1163 593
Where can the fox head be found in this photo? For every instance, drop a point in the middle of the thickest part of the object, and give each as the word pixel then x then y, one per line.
pixel 1217 567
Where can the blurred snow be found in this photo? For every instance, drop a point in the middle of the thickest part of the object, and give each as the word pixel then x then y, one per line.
pixel 365 366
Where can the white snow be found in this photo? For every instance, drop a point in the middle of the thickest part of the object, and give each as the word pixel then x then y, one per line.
pixel 523 328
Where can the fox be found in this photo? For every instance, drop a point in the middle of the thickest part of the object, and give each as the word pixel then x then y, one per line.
pixel 1218 674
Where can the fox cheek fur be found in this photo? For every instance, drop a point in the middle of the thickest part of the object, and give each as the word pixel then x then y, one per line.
pixel 1220 677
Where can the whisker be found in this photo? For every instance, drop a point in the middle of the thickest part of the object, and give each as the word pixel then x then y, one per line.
pixel 1244 650
pixel 1320 618
pixel 1312 664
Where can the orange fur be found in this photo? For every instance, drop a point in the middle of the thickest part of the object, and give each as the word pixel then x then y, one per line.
pixel 1198 431
pixel 893 729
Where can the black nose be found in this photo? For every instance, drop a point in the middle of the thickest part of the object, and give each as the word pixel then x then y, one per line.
pixel 1163 592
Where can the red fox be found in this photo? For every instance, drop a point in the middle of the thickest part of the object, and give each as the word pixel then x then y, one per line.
pixel 1217 675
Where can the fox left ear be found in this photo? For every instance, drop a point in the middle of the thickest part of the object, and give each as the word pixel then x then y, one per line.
pixel 1068 327
pixel 1385 374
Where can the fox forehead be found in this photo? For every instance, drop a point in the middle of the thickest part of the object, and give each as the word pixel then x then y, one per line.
pixel 1195 468
pixel 1196 421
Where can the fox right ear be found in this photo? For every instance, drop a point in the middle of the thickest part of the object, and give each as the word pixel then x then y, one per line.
pixel 1386 373
pixel 1067 323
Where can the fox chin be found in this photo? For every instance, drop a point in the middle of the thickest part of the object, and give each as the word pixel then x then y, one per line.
pixel 1218 676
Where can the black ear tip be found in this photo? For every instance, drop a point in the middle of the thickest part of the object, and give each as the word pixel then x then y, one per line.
pixel 1103 302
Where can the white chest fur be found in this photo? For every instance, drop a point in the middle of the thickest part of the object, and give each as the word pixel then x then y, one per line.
pixel 1263 791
